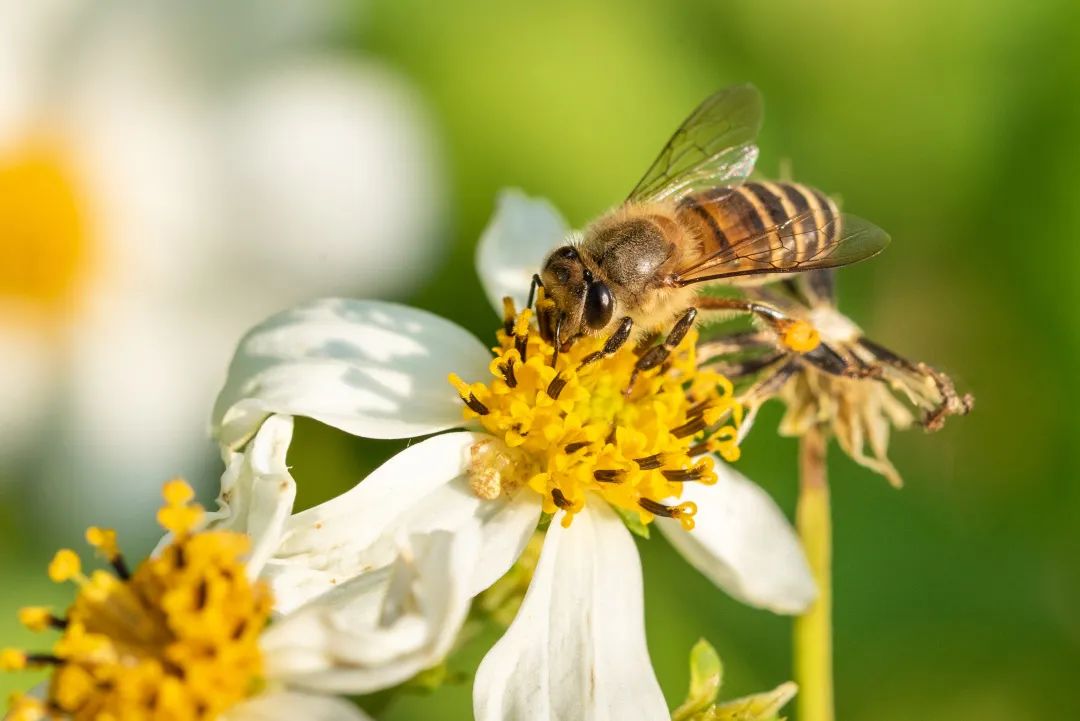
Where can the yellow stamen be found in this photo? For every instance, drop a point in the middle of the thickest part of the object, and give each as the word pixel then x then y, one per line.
pixel 104 541
pixel 801 337
pixel 684 513
pixel 35 618
pixel 178 638
pixel 580 428
pixel 12 659
pixel 179 515
pixel 65 566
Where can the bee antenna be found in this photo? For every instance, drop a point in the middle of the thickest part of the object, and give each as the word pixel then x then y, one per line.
pixel 536 283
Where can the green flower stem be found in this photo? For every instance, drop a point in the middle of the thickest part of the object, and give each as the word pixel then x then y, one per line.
pixel 813 630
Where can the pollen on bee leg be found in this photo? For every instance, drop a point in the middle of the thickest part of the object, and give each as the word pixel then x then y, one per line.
pixel 800 336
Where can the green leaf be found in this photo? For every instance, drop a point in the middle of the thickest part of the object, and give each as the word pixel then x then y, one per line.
pixel 632 521
pixel 706 675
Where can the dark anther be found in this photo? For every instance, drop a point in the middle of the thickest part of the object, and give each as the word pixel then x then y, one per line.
pixel 556 387
pixel 201 593
pixel 698 448
pixel 656 508
pixel 697 409
pixel 560 500
pixel 58 623
pixel 507 369
pixel 43 659
pixel 521 344
pixel 649 463
pixel 573 447
pixel 684 474
pixel 607 475
pixel 121 568
pixel 689 428
pixel 474 403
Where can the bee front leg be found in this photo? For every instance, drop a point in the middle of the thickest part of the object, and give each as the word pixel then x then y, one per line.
pixel 613 344
pixel 658 354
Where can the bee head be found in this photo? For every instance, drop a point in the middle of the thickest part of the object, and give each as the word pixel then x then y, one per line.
pixel 584 302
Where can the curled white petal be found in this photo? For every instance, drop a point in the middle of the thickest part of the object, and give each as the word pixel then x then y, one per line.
pixel 257 491
pixel 421 489
pixel 370 368
pixel 291 705
pixel 743 542
pixel 576 649
pixel 383 627
pixel 513 246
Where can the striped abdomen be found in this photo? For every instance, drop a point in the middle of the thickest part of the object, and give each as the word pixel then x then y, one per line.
pixel 721 217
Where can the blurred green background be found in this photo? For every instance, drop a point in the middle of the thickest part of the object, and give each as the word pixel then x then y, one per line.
pixel 954 126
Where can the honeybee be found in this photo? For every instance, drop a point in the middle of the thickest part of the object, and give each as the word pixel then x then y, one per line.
pixel 693 220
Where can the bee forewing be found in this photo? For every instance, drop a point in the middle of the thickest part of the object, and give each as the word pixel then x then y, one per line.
pixel 714 146
pixel 801 243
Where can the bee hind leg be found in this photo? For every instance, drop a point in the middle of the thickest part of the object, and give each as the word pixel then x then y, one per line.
pixel 658 354
pixel 794 334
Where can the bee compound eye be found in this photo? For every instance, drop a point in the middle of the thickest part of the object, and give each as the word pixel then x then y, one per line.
pixel 599 306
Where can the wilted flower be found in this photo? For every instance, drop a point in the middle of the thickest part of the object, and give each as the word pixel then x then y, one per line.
pixel 164 169
pixel 566 439
pixel 848 383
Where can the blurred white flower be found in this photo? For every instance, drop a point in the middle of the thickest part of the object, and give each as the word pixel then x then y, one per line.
pixel 170 172
pixel 197 643
pixel 577 645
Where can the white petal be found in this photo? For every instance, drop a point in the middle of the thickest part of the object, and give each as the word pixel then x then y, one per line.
pixel 577 647
pixel 421 489
pixel 373 369
pixel 336 182
pixel 257 491
pixel 743 542
pixel 513 246
pixel 384 627
pixel 290 706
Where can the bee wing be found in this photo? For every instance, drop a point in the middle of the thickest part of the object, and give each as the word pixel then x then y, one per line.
pixel 800 243
pixel 713 147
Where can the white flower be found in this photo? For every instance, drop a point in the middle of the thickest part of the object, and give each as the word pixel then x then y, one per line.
pixel 374 369
pixel 204 590
pixel 171 172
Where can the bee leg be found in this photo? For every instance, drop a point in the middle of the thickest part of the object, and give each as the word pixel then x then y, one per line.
pixel 613 344
pixel 754 340
pixel 829 361
pixel 658 354
pixel 795 334
pixel 536 283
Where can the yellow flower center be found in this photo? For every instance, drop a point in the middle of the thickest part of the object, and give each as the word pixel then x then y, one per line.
pixel 43 248
pixel 177 639
pixel 589 423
